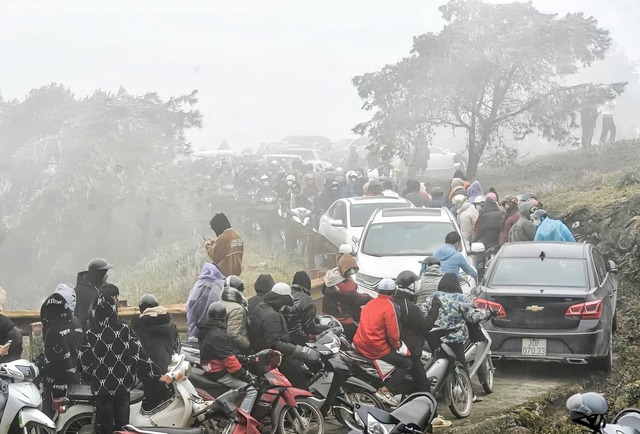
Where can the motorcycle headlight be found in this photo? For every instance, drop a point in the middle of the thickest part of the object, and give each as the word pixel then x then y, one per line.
pixel 376 427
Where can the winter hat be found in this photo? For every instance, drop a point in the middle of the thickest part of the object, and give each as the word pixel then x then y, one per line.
pixel 459 200
pixel 457 182
pixel 281 288
pixel 491 195
pixel 264 283
pixel 219 223
pixel 3 298
pixel 450 284
pixel 301 278
pixel 346 262
pixel 68 293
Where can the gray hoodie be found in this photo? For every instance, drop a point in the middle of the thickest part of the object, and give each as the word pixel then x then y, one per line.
pixel 523 229
pixel 428 283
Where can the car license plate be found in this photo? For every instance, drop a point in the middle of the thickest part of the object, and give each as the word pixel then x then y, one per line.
pixel 534 347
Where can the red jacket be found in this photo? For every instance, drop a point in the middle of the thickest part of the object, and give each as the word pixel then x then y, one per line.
pixel 509 221
pixel 379 330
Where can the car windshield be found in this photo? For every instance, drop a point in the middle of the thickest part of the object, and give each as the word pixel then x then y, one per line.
pixel 559 272
pixel 405 238
pixel 305 154
pixel 361 212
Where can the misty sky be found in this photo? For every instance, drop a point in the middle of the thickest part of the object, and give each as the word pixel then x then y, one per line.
pixel 264 69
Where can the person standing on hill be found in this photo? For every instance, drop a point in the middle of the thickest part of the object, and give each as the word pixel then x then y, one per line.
pixel 88 288
pixel 227 249
pixel 608 110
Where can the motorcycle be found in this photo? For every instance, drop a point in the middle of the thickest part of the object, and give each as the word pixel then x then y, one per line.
pixel 588 409
pixel 413 415
pixel 76 412
pixel 130 429
pixel 333 384
pixel 445 374
pixel 479 362
pixel 279 407
pixel 22 407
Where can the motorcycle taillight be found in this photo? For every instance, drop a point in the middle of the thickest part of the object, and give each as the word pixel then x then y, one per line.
pixel 60 405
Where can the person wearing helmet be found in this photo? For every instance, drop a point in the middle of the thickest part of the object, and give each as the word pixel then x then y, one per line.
pixel 430 275
pixel 341 297
pixel 413 326
pixel 489 224
pixel 467 217
pixel 523 229
pixel 511 216
pixel 378 339
pixel 157 334
pixel 88 288
pixel 217 355
pixel 550 229
pixel 235 303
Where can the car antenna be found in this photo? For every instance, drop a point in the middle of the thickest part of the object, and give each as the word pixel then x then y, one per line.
pixel 542 255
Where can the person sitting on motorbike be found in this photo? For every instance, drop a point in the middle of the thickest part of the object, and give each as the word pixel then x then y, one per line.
pixel 430 275
pixel 302 321
pixel 451 260
pixel 236 304
pixel 268 329
pixel 378 339
pixel 206 290
pixel 217 355
pixel 341 297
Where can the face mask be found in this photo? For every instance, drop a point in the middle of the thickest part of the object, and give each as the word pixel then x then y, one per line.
pixel 536 222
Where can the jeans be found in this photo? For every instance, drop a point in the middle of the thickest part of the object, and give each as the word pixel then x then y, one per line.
pixel 235 383
pixel 403 368
pixel 112 412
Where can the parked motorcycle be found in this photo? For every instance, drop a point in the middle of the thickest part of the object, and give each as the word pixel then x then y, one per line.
pixel 334 384
pixel 445 374
pixel 588 409
pixel 76 413
pixel 130 429
pixel 22 407
pixel 279 407
pixel 413 415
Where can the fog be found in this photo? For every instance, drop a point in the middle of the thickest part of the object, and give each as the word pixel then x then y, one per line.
pixel 99 118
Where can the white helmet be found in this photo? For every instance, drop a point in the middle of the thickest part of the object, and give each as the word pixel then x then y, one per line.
pixel 479 200
pixel 386 286
pixel 352 174
pixel 459 199
pixel 264 178
pixel 291 178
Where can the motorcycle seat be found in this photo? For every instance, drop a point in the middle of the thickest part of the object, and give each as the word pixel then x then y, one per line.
pixel 199 380
pixel 359 357
pixel 163 430
pixel 416 412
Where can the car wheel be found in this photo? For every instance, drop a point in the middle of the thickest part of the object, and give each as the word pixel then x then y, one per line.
pixel 605 363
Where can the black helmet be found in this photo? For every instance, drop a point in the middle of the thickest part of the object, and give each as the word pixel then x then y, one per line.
pixel 146 301
pixel 406 279
pixel 217 311
pixel 234 282
pixel 430 260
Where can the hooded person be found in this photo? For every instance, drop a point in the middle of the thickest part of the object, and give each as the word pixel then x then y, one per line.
pixel 69 295
pixel 437 199
pixel 268 329
pixel 474 190
pixel 412 193
pixel 60 350
pixel 341 298
pixel 430 275
pixel 206 290
pixel 262 285
pixel 457 187
pixel 227 249
pixel 235 304
pixel 10 335
pixel 550 229
pixel 111 359
pixel 88 288
pixel 302 321
pixel 489 224
pixel 467 217
pixel 523 229
pixel 511 216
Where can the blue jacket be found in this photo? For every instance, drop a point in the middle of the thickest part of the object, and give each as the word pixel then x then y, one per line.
pixel 451 261
pixel 553 230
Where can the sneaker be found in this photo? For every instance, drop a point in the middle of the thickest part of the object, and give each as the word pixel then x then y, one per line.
pixel 440 422
pixel 477 399
pixel 388 398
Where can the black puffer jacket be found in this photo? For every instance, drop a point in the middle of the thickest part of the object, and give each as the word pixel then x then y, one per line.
pixel 86 294
pixel 413 324
pixel 60 350
pixel 8 332
pixel 489 224
pixel 111 355
pixel 304 308
pixel 268 327
pixel 217 354
pixel 157 334
pixel 263 284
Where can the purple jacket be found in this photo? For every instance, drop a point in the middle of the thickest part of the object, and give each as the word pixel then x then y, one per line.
pixel 207 289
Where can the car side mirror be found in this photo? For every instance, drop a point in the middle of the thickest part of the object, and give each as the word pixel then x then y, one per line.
pixel 345 248
pixel 477 248
pixel 337 223
pixel 613 268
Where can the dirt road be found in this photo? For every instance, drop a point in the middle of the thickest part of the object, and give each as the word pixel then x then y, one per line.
pixel 515 383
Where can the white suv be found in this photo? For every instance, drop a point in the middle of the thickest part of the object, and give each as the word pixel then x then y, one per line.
pixel 345 220
pixel 396 239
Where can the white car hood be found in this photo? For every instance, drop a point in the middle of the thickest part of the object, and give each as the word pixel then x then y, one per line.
pixel 387 266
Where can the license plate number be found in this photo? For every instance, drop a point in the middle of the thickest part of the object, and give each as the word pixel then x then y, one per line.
pixel 534 347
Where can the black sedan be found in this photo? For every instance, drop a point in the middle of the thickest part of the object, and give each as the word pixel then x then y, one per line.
pixel 555 302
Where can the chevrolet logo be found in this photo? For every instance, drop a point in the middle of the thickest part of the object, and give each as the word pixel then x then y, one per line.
pixel 535 308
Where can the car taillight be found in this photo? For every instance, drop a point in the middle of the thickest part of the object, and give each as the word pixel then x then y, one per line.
pixel 586 310
pixel 483 303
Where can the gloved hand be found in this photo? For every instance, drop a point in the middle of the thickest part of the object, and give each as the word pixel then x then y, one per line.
pixel 246 376
pixel 306 354
pixel 403 350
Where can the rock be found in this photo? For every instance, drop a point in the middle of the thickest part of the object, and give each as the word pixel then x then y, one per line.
pixel 518 430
